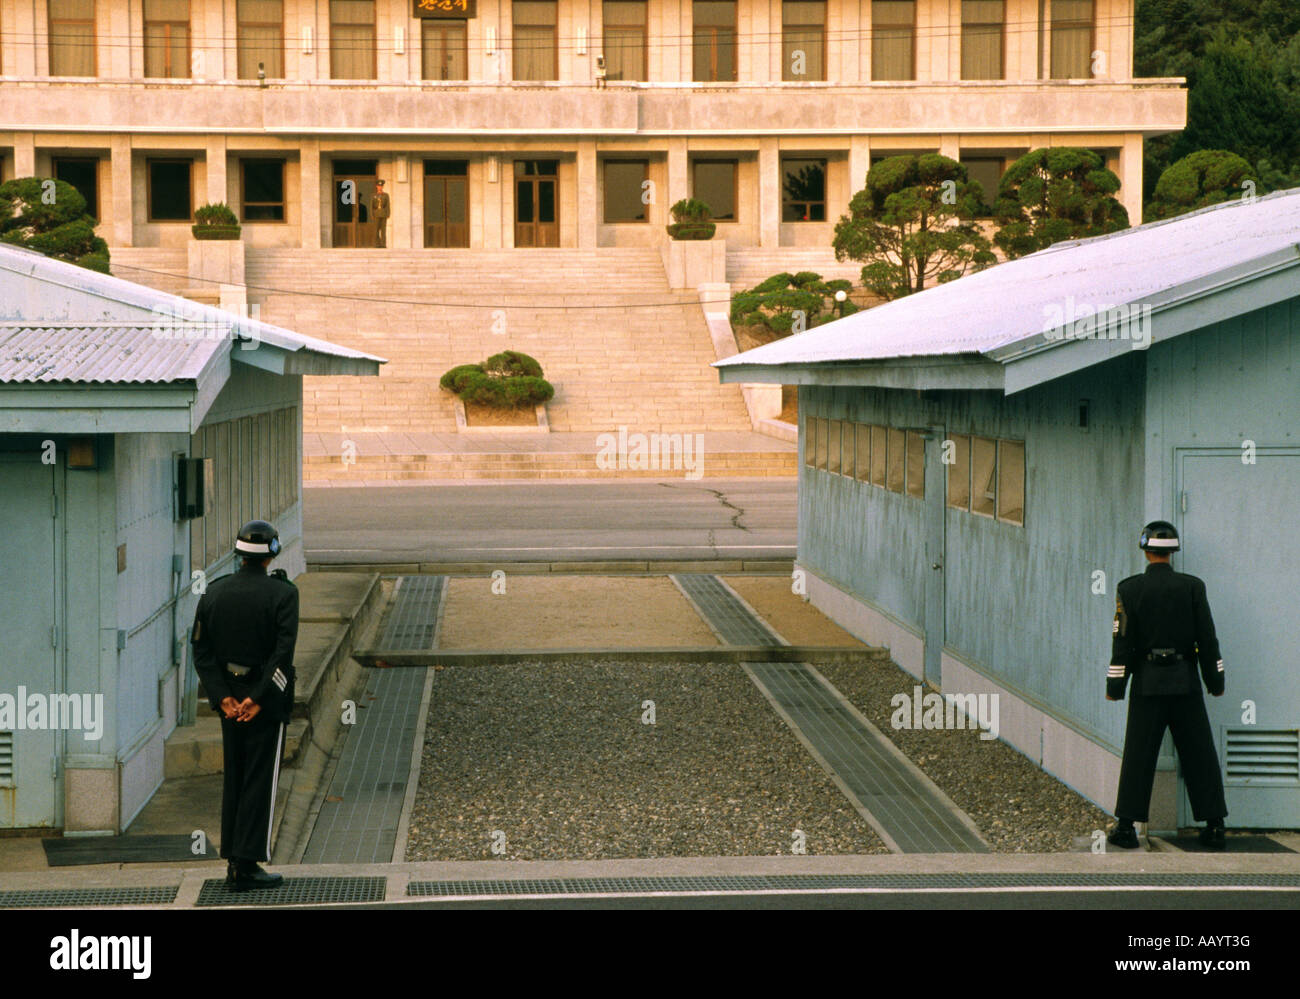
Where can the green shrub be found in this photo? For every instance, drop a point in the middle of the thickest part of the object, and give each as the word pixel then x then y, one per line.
pixel 527 390
pixel 511 363
pixel 774 302
pixel 458 377
pixel 484 390
pixel 218 213
pixel 690 210
pixel 49 216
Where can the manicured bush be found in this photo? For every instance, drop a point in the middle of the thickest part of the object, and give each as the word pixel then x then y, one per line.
pixel 215 221
pixel 775 302
pixel 527 390
pixel 49 216
pixel 511 363
pixel 508 380
pixel 458 377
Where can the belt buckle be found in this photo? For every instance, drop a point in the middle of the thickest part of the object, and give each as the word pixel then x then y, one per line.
pixel 234 669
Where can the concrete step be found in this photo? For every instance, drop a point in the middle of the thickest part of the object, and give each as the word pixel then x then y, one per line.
pixel 195 750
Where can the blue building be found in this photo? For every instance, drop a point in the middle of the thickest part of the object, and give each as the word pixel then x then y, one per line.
pixel 978 458
pixel 106 387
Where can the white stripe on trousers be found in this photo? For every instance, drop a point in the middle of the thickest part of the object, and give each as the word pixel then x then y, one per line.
pixel 275 781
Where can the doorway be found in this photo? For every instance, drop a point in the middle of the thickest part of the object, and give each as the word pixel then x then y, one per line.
pixel 354 187
pixel 446 215
pixel 536 205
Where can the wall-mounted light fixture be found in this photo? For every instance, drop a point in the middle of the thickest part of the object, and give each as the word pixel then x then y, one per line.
pixel 491 41
pixel 582 40
pixel 399 40
pixel 306 39
pixel 493 169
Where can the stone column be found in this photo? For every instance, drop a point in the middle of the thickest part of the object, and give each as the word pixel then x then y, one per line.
pixel 123 232
pixel 859 164
pixel 309 193
pixel 588 215
pixel 1130 176
pixel 24 154
pixel 769 192
pixel 679 181
pixel 217 187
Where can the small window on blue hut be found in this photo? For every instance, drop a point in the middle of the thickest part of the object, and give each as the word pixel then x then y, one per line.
pixel 894 460
pixel 878 456
pixel 821 442
pixel 915 465
pixel 1011 481
pixel 833 447
pixel 862 466
pixel 959 472
pixel 984 466
pixel 810 442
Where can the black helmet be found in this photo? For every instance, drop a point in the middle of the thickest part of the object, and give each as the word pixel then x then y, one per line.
pixel 257 539
pixel 1159 536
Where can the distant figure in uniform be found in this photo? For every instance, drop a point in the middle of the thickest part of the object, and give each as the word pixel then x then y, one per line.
pixel 1162 630
pixel 380 209
pixel 245 629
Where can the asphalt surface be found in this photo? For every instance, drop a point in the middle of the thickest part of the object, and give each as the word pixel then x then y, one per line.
pixel 523 521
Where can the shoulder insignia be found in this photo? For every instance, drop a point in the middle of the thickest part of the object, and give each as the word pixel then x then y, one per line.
pixel 282 576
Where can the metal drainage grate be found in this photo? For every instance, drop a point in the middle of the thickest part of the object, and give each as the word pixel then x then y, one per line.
pixel 841 882
pixel 81 897
pixel 728 617
pixel 414 617
pixel 295 891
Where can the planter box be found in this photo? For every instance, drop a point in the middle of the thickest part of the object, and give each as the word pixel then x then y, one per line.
pixel 692 230
pixel 214 262
pixel 215 231
pixel 690 264
pixel 542 426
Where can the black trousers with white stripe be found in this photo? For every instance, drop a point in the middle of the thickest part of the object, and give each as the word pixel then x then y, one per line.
pixel 251 751
pixel 1186 718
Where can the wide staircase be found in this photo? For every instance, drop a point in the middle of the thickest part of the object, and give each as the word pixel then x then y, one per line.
pixel 163 268
pixel 748 266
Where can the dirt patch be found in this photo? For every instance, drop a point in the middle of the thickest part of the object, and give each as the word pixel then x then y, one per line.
pixel 795 619
pixel 489 416
pixel 570 612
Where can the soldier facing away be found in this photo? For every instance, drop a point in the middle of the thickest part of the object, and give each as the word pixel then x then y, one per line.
pixel 245 629
pixel 1162 630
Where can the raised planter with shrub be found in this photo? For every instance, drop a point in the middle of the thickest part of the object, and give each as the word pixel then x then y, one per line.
pixel 215 222
pixel 509 382
pixel 691 220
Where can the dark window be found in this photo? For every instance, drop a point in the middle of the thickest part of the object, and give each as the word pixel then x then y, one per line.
pixel 982 24
pixel 715 185
pixel 83 174
pixel 625 39
pixel 803 191
pixel 170 198
pixel 444 52
pixel 263 191
pixel 714 35
pixel 893 40
pixel 988 172
pixel 625 190
pixel 166 38
pixel 259 38
pixel 803 40
pixel 446 168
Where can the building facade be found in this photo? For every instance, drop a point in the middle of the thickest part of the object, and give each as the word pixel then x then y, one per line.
pixel 573 123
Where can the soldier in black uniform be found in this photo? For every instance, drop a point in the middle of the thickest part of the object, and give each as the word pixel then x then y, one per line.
pixel 1162 630
pixel 245 629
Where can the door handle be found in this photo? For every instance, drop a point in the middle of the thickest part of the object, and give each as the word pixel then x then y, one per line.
pixel 936 565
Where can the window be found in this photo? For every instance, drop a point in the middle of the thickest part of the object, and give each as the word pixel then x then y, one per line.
pixel 166 38
pixel 984 460
pixel 878 437
pixel 535 41
pixel 1011 481
pixel 803 40
pixel 352 39
pixel 893 40
pixel 834 447
pixel 982 23
pixel 714 40
pixel 810 442
pixel 170 198
pixel 959 473
pixel 822 432
pixel 259 38
pixel 443 49
pixel 895 441
pixel 715 185
pixel 1071 39
pixel 988 172
pixel 862 457
pixel 83 174
pixel 72 37
pixel 624 190
pixel 625 39
pixel 915 464
pixel 263 191
pixel 803 191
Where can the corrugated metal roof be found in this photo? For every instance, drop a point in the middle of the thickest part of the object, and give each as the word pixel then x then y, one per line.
pixel 1014 301
pixel 106 352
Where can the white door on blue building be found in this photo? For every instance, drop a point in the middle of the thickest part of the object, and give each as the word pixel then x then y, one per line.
pixel 1240 536
pixel 28 614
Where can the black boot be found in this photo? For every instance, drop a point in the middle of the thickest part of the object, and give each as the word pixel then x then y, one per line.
pixel 1214 836
pixel 1124 835
pixel 248 876
pixel 230 873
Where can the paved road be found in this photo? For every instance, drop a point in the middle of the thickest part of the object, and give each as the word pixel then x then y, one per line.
pixel 545 521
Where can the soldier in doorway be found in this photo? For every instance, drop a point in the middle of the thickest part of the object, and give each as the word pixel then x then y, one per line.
pixel 1162 630
pixel 380 208
pixel 245 630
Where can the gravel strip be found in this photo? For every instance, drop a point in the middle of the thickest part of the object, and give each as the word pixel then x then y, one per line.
pixel 557 758
pixel 1018 807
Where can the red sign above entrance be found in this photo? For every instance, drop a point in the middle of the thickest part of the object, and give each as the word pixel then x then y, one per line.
pixel 445 8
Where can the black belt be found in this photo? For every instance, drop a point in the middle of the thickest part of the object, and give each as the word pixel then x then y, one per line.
pixel 236 669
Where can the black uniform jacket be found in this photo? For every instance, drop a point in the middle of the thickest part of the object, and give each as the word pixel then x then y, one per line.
pixel 1162 609
pixel 249 618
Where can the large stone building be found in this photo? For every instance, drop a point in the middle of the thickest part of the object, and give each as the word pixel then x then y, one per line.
pixel 570 123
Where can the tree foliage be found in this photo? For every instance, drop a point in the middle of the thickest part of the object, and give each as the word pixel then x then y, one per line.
pixel 786 301
pixel 1053 194
pixel 913 225
pixel 49 216
pixel 1199 179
